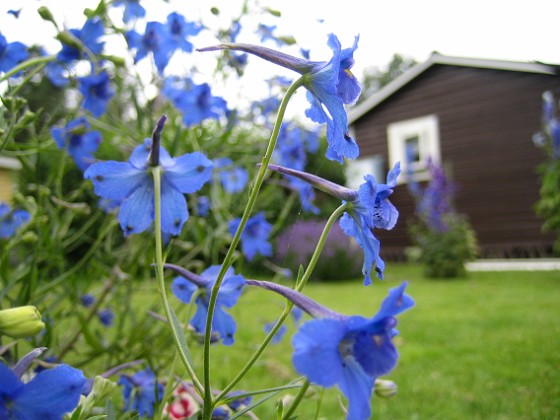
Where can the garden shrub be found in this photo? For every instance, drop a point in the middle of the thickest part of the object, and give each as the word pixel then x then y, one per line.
pixel 444 237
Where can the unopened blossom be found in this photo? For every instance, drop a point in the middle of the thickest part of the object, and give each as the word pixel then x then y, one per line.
pixel 330 85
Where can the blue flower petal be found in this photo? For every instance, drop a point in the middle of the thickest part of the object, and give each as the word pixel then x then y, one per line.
pixel 375 352
pixel 357 386
pixel 224 324
pixel 174 212
pixel 137 211
pixel 316 354
pixel 396 302
pixel 115 180
pixel 49 395
pixel 189 172
pixel 367 241
pixel 230 290
pixel 183 289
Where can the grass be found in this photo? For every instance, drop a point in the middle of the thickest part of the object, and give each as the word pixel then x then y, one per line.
pixel 483 347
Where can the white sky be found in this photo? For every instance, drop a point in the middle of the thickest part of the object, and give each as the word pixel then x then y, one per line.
pixel 520 30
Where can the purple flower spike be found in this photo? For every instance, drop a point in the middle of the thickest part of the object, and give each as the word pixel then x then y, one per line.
pixel 348 351
pixel 330 86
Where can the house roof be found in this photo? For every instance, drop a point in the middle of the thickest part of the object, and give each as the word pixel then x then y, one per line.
pixel 357 112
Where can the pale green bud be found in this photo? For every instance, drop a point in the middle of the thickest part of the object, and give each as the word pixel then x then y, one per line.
pixel 385 388
pixel 22 321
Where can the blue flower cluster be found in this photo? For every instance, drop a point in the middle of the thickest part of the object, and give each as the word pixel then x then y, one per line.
pixel 11 220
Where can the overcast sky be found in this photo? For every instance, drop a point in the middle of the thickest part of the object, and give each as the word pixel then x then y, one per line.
pixel 520 30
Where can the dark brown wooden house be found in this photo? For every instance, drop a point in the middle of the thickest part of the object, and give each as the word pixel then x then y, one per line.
pixel 476 118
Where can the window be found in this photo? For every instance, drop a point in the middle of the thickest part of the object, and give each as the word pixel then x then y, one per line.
pixel 412 143
pixel 356 170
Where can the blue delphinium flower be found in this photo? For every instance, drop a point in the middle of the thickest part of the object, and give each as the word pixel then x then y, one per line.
pixel 80 143
pixel 97 91
pixel 254 239
pixel 49 395
pixel 88 36
pixel 141 392
pixel 348 351
pixel 233 179
pixel 87 300
pixel 153 41
pixel 11 220
pixel 106 317
pixel 220 413
pixel 330 85
pixel 370 208
pixel 238 403
pixel 14 13
pixel 195 102
pixel 203 206
pixel 266 33
pixel 279 334
pixel 132 9
pixel 132 184
pixel 179 29
pixel 188 283
pixel 11 54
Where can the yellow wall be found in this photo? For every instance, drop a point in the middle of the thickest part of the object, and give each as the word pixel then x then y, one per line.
pixel 6 185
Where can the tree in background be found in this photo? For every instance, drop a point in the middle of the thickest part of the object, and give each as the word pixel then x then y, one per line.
pixel 375 78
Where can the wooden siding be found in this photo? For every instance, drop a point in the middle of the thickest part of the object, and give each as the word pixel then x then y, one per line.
pixel 487 118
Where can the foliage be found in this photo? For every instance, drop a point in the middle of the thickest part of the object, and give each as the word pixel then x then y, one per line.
pixel 548 139
pixel 444 253
pixel 133 164
pixel 375 78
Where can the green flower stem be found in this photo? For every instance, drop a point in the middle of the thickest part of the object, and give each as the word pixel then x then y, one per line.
pixel 287 415
pixel 299 286
pixel 320 245
pixel 228 259
pixel 156 172
pixel 28 63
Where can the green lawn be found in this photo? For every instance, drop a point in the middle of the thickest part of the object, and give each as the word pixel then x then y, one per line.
pixel 484 347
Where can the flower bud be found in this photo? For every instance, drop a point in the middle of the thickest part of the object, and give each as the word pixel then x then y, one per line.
pixel 45 14
pixel 385 388
pixel 67 38
pixel 22 321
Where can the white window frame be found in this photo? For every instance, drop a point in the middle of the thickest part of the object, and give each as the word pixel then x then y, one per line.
pixel 355 170
pixel 426 129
